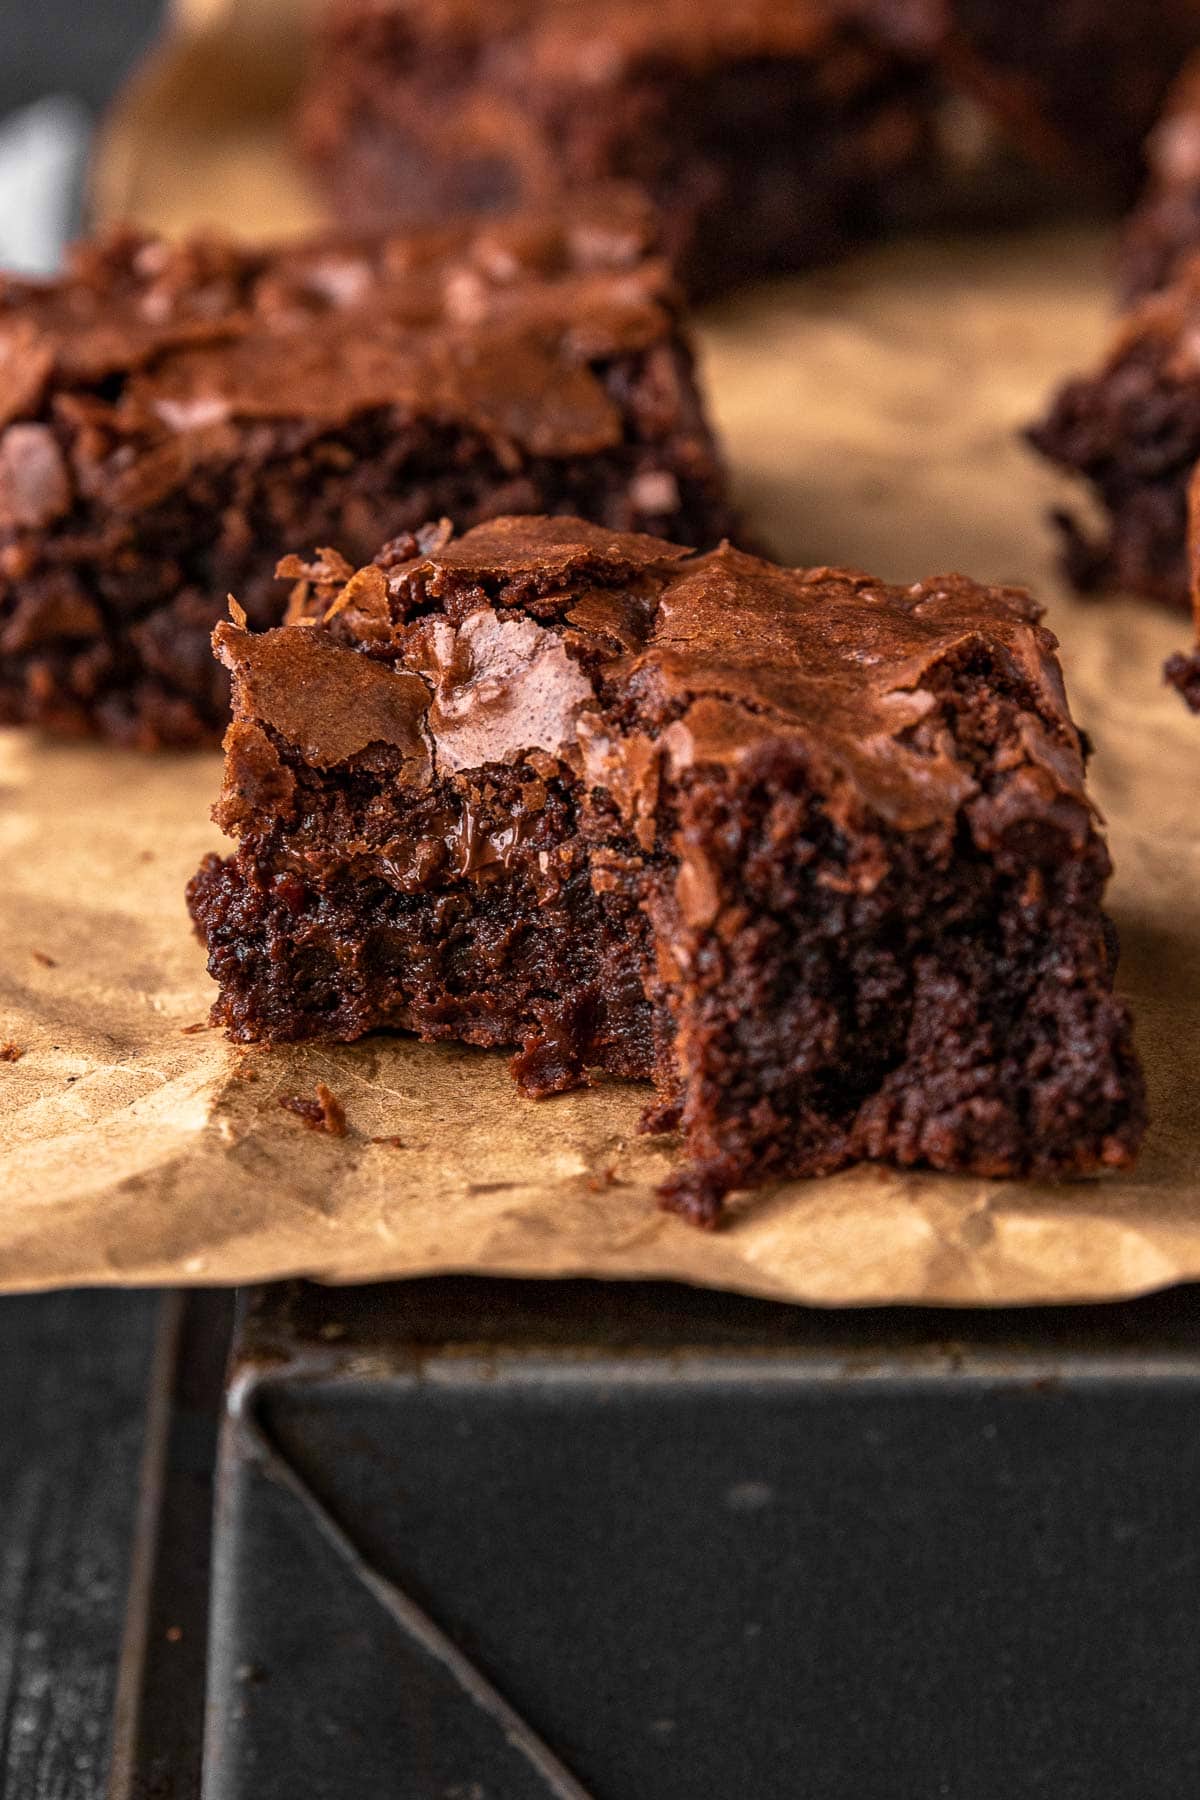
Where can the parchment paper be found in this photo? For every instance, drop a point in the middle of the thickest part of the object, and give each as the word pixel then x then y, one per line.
pixel 870 416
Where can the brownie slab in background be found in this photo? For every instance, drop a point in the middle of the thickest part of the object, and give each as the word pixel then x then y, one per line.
pixel 772 136
pixel 811 853
pixel 1131 430
pixel 174 419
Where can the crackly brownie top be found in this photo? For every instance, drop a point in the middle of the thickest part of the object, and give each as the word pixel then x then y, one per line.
pixel 593 41
pixel 491 324
pixel 627 658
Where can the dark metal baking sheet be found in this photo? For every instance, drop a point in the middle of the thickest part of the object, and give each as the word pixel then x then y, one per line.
pixel 158 1721
pixel 497 1540
pixel 73 1371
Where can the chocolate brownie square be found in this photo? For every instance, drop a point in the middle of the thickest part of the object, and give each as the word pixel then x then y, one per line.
pixel 812 854
pixel 1131 429
pixel 770 135
pixel 173 418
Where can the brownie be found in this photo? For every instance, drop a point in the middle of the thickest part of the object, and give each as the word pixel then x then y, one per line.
pixel 1164 228
pixel 174 418
pixel 1131 429
pixel 771 134
pixel 812 854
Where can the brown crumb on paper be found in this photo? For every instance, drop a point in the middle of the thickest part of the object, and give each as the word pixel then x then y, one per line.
pixel 47 962
pixel 325 1113
pixel 393 1143
pixel 11 1052
pixel 191 1030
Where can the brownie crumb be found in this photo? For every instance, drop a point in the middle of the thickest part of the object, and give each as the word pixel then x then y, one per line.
pixel 47 962
pixel 11 1052
pixel 393 1143
pixel 191 1030
pixel 325 1113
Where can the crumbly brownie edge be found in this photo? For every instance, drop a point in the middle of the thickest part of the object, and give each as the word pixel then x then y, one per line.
pixel 897 998
pixel 1132 432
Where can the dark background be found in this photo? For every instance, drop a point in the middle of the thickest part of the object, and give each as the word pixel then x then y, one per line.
pixel 80 47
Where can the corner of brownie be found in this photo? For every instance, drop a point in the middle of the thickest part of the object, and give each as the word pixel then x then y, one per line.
pixel 811 853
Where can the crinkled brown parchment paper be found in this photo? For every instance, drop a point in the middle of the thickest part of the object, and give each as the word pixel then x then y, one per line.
pixel 870 415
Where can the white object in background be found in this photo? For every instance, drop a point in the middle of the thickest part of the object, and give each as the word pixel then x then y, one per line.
pixel 42 151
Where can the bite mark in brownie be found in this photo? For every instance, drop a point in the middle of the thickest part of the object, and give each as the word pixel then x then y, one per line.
pixel 173 419
pixel 811 853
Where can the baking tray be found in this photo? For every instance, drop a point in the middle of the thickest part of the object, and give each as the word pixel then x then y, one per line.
pixel 158 1722
pixel 489 1541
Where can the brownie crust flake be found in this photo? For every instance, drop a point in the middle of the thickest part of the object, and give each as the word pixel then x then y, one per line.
pixel 173 419
pixel 811 853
